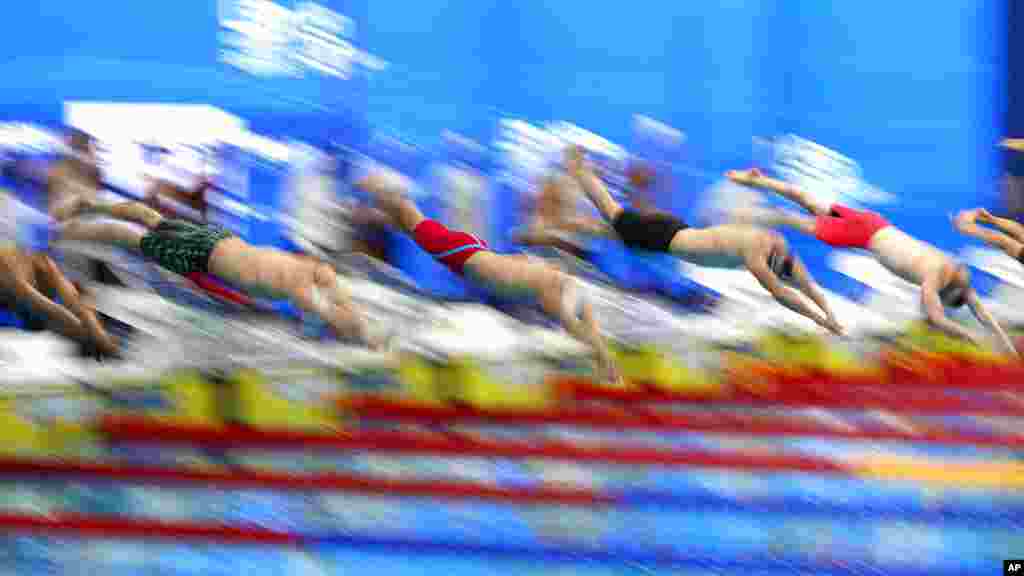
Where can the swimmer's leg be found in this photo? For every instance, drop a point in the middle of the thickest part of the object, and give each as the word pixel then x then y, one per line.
pixel 1009 227
pixel 130 211
pixel 756 179
pixel 967 223
pixel 775 218
pixel 111 233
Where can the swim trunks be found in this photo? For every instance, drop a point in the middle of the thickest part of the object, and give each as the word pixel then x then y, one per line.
pixel 652 231
pixel 182 247
pixel 848 228
pixel 451 248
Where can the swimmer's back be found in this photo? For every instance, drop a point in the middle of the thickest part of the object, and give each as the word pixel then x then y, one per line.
pixel 905 256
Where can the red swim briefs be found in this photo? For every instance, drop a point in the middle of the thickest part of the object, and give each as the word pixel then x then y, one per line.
pixel 848 228
pixel 448 247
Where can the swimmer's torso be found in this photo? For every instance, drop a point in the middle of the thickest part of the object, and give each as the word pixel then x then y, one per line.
pixel 561 200
pixel 723 246
pixel 906 256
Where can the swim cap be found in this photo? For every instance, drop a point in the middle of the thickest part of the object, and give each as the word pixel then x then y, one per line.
pixel 953 296
pixel 782 266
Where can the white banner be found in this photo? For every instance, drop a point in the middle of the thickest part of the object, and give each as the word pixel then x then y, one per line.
pixel 827 175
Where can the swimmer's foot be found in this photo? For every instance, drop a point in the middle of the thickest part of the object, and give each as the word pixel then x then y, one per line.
pixel 751 177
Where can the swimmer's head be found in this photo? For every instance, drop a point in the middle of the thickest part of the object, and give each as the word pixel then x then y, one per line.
pixel 955 293
pixel 782 264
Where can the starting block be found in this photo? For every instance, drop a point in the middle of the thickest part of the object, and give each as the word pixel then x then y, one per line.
pixel 176 396
pixel 286 398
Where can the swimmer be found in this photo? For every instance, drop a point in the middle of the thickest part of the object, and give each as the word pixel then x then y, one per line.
pixel 468 256
pixel 764 253
pixel 1009 238
pixel 28 280
pixel 554 222
pixel 190 249
pixel 943 281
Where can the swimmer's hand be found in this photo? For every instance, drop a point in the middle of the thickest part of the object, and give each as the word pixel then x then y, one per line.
pixel 610 372
pixel 833 326
pixel 751 177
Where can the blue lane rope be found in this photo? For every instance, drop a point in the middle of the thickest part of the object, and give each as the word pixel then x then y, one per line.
pixel 939 513
pixel 622 556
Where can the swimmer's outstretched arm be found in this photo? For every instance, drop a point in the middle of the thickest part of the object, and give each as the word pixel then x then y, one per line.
pixel 935 312
pixel 967 223
pixel 986 319
pixel 787 296
pixel 806 284
pixel 562 300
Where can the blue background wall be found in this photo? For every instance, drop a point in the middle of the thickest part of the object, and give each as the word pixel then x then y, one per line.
pixel 916 96
pixel 154 52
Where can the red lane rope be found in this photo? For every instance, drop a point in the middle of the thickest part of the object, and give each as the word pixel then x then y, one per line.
pixel 321 482
pixel 114 527
pixel 142 430
pixel 725 423
pixel 901 402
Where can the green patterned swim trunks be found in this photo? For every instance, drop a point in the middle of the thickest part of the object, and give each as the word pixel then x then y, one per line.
pixel 182 247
